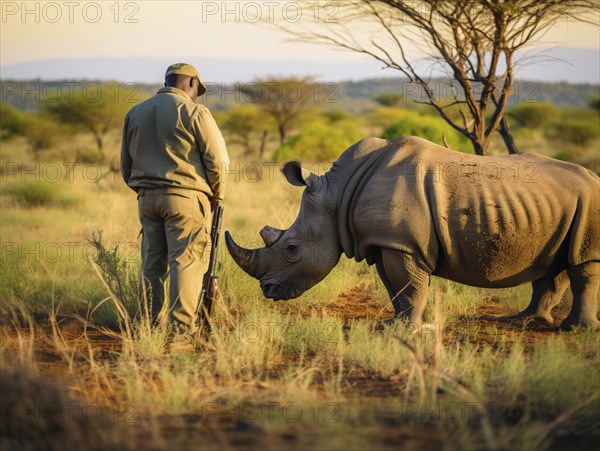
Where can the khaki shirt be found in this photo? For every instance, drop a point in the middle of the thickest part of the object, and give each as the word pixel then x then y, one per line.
pixel 171 141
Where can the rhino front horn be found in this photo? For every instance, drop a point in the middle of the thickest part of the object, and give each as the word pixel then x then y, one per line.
pixel 270 235
pixel 245 258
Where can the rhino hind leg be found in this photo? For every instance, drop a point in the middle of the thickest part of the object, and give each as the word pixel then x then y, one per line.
pixel 406 283
pixel 547 294
pixel 585 283
pixel 389 287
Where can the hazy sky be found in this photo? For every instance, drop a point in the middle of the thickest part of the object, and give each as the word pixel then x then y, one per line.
pixel 212 29
pixel 180 30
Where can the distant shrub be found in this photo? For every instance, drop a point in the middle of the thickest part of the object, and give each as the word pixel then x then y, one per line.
pixel 332 115
pixel 320 142
pixel 11 121
pixel 594 103
pixel 389 99
pixel 570 131
pixel 432 128
pixel 534 115
pixel 38 194
pixel 385 116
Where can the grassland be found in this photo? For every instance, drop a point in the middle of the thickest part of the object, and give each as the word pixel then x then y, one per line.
pixel 312 373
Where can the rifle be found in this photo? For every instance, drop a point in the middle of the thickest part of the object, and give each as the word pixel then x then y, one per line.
pixel 210 283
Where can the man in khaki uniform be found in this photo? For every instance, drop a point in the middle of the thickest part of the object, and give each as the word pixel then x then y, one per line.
pixel 174 156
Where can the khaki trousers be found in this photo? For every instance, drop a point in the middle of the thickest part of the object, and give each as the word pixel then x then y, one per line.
pixel 175 243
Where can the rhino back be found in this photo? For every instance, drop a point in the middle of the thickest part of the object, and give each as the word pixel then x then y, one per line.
pixel 487 221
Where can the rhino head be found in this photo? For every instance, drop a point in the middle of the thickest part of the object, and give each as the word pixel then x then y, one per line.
pixel 295 259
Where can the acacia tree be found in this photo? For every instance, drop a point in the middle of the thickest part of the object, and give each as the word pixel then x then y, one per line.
pixel 97 117
pixel 243 123
pixel 283 99
pixel 473 41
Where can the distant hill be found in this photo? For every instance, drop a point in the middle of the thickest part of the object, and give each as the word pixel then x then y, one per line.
pixel 548 64
pixel 355 96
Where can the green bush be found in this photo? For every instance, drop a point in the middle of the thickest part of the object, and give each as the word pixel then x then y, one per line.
pixel 534 115
pixel 572 131
pixel 432 128
pixel 320 142
pixel 11 121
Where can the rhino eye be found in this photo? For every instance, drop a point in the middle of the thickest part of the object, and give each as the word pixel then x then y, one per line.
pixel 292 252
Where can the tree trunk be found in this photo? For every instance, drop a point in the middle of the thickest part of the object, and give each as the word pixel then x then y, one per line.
pixel 479 146
pixel 509 142
pixel 247 145
pixel 263 144
pixel 99 143
pixel 282 134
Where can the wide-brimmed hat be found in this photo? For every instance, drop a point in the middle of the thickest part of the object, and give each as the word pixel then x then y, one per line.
pixel 186 69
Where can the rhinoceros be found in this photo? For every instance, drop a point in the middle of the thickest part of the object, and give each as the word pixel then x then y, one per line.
pixel 416 209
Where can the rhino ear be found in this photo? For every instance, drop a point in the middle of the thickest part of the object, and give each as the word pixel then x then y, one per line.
pixel 298 176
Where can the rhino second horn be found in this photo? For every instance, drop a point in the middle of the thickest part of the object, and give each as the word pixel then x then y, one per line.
pixel 270 235
pixel 245 258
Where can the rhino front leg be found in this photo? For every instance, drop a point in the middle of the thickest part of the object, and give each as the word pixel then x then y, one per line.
pixel 585 282
pixel 406 283
pixel 547 294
